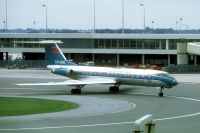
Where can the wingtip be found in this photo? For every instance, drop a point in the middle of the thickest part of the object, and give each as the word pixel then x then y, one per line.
pixel 15 84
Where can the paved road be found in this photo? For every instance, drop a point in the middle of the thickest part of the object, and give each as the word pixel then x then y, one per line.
pixel 178 111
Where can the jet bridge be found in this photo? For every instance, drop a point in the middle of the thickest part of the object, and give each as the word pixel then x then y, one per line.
pixel 184 48
pixel 193 48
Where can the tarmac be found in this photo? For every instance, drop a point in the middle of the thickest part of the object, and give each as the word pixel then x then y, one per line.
pixel 100 110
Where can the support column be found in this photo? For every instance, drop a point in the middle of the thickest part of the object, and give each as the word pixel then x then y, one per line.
pixel 160 44
pixel 69 56
pixel 143 59
pixel 195 60
pixel 169 60
pixel 5 56
pixel 14 44
pixel 93 57
pixel 117 60
pixel 1 55
pixel 167 44
pixel 24 57
pixel 182 57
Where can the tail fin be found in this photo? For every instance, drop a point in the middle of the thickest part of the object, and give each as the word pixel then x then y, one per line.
pixel 55 56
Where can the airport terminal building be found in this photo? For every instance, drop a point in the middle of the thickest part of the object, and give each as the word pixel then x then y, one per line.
pixel 103 49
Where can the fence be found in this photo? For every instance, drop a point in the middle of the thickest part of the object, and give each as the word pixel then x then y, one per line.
pixel 44 63
pixel 23 64
pixel 183 68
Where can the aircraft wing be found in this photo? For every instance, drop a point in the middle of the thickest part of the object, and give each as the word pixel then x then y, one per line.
pixel 72 82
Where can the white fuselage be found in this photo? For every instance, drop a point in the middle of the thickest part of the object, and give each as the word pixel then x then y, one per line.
pixel 123 76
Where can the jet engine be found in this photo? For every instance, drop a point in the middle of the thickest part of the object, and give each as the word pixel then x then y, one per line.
pixel 63 71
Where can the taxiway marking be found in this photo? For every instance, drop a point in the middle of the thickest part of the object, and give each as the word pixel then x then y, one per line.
pixel 28 89
pixel 117 123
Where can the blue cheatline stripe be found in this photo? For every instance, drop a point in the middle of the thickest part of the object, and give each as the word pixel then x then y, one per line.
pixel 165 80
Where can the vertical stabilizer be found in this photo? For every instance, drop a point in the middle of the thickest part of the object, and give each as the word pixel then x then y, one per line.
pixel 55 56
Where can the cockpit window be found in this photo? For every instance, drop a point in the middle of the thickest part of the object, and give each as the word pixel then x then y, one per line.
pixel 164 75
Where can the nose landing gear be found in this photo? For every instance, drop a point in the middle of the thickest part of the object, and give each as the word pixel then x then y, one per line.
pixel 77 90
pixel 114 88
pixel 160 94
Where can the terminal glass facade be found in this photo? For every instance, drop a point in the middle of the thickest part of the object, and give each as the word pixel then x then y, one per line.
pixel 123 51
pixel 92 43
pixel 95 43
pixel 129 44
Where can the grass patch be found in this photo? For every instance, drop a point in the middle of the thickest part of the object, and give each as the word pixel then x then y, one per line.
pixel 11 106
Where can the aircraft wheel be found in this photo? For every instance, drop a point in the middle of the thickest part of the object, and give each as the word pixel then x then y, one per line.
pixel 114 89
pixel 76 91
pixel 73 91
pixel 111 89
pixel 160 94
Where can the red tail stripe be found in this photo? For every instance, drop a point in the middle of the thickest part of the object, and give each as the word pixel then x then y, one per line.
pixel 54 50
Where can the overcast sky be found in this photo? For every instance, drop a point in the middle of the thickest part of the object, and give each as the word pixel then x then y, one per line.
pixel 78 14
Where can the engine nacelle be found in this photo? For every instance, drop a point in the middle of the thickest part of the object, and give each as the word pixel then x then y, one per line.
pixel 63 71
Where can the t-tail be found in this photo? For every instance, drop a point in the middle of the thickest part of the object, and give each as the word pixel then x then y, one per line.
pixel 55 56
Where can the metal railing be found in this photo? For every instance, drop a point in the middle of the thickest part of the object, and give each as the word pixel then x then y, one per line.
pixel 183 68
pixel 23 64
pixel 43 63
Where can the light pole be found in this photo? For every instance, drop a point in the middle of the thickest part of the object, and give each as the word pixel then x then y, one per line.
pixel 152 22
pixel 34 22
pixel 144 15
pixel 44 5
pixel 186 26
pixel 122 16
pixel 6 21
pixel 181 19
pixel 4 24
pixel 94 16
pixel 176 25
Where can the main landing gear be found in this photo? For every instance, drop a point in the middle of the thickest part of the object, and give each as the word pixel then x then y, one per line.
pixel 77 90
pixel 114 88
pixel 160 94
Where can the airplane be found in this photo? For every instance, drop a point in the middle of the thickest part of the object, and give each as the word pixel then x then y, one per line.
pixel 80 76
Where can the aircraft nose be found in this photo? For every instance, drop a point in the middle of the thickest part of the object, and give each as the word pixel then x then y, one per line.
pixel 52 70
pixel 175 82
pixel 49 67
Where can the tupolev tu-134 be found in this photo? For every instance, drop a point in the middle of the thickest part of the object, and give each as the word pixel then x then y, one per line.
pixel 79 76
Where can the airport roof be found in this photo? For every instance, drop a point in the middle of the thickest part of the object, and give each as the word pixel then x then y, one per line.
pixel 99 36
